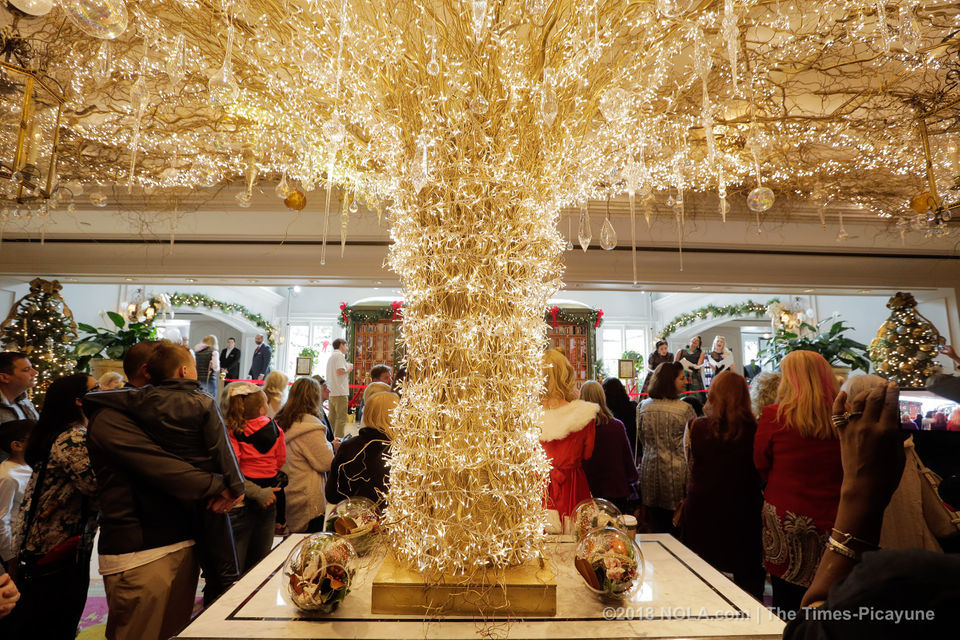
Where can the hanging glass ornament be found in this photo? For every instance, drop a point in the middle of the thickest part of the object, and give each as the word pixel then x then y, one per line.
pixel 608 235
pixel 731 33
pixel 334 130
pixel 206 176
pixel 433 67
pixel 104 19
pixel 946 214
pixel 479 105
pixel 104 64
pixel 584 234
pixel 71 208
pixel 244 199
pixel 418 176
pixel 615 105
pixel 673 8
pixel 97 198
pixel 354 207
pixel 222 85
pixel 295 200
pixel 139 94
pixel 909 32
pixel 537 9
pixel 881 9
pixel 176 63
pixel 479 16
pixel 282 189
pixel 548 98
pixel 760 199
pixel 724 208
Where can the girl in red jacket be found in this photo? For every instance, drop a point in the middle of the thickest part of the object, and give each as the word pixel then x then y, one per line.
pixel 261 451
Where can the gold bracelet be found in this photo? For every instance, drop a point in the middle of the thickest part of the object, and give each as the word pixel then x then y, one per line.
pixel 850 540
pixel 842 549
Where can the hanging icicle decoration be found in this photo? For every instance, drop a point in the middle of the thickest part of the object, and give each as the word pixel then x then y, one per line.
pixel 731 33
pixel 344 220
pixel 882 27
pixel 631 174
pixel 335 131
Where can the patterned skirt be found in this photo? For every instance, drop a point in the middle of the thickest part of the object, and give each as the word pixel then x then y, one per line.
pixel 792 545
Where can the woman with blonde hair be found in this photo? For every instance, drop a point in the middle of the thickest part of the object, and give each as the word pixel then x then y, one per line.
pixel 567 434
pixel 208 364
pixel 611 470
pixel 359 467
pixel 954 423
pixel 275 386
pixel 797 453
pixel 718 360
pixel 109 381
pixel 763 391
pixel 309 456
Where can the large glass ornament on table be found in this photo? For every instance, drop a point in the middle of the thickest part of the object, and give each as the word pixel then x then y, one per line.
pixel 319 571
pixel 355 519
pixel 610 562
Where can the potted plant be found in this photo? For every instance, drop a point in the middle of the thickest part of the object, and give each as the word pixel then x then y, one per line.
pixel 839 350
pixel 102 350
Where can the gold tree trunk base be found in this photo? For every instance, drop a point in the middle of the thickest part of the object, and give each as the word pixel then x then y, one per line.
pixel 529 589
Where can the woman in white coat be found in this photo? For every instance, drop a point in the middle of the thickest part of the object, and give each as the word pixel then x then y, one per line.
pixel 309 455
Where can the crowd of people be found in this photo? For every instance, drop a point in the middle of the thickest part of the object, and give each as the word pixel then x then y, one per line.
pixel 754 483
pixel 175 481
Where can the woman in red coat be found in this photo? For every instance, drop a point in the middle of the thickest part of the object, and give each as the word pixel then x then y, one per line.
pixel 567 435
pixel 797 453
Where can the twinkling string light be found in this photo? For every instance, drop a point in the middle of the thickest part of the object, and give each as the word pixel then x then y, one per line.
pixel 474 124
pixel 831 93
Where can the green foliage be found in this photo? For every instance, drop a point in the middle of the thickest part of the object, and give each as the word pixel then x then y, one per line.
pixel 832 344
pixel 112 344
pixel 635 356
pixel 309 352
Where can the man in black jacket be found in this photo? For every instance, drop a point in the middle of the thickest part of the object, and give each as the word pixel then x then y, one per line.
pixel 147 558
pixel 260 366
pixel 230 359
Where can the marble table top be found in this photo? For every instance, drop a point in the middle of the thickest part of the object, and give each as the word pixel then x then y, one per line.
pixel 682 597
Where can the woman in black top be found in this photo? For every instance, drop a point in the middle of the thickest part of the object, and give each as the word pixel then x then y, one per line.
pixel 623 409
pixel 660 355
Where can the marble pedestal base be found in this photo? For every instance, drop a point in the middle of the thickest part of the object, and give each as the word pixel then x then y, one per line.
pixel 518 591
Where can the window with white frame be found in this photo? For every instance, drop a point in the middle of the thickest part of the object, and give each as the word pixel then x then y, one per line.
pixel 615 339
pixel 317 334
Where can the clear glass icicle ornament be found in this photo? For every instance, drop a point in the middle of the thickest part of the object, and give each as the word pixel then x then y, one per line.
pixel 104 65
pixel 608 235
pixel 177 61
pixel 223 85
pixel 479 8
pixel 548 99
pixel 584 234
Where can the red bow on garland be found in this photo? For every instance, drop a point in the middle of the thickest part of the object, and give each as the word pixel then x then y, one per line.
pixel 343 311
pixel 554 311
pixel 397 307
pixel 599 318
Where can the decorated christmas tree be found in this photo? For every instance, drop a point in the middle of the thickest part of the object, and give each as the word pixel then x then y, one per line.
pixel 906 344
pixel 41 325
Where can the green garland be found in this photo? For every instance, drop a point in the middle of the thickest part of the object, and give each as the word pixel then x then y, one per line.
pixel 200 300
pixel 585 317
pixel 365 315
pixel 748 308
